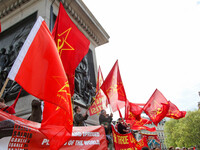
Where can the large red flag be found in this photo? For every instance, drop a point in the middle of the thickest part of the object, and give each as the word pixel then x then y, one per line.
pixel 114 89
pixel 156 107
pixel 139 124
pixel 132 111
pixel 100 98
pixel 71 43
pixel 174 112
pixel 38 69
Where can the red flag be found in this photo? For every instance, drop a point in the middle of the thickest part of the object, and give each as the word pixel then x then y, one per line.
pixel 142 143
pixel 100 79
pixel 100 98
pixel 16 100
pixel 156 107
pixel 132 111
pixel 152 140
pixel 174 112
pixel 71 43
pixel 114 89
pixel 38 69
pixel 139 125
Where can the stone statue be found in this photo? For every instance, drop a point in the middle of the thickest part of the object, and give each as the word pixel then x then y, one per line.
pixel 84 89
pixel 10 45
pixel 3 60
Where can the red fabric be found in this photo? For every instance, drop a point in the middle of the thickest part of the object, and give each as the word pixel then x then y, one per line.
pixel 174 112
pixel 71 42
pixel 123 141
pixel 100 98
pixel 139 125
pixel 114 89
pixel 9 109
pixel 142 143
pixel 42 75
pixel 18 133
pixel 100 80
pixel 17 98
pixel 156 107
pixel 132 111
pixel 152 138
pixel 55 117
pixel 126 141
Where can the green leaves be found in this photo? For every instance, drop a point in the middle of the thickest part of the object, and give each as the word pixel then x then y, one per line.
pixel 184 132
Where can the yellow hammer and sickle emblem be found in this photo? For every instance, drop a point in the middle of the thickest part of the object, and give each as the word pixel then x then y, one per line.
pixel 63 41
pixel 64 91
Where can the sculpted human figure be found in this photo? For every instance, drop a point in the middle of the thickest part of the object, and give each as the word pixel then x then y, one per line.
pixel 81 77
pixel 3 59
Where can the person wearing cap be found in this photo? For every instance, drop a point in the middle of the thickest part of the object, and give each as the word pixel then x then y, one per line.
pixel 4 107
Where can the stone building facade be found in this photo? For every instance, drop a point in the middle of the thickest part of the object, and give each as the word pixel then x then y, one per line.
pixel 17 18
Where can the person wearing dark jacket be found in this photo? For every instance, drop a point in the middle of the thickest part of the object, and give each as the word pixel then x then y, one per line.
pixel 79 119
pixel 122 129
pixel 105 118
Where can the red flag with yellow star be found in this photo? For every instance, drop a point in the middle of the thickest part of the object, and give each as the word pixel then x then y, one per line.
pixel 156 107
pixel 39 70
pixel 71 43
pixel 174 112
pixel 132 111
pixel 114 88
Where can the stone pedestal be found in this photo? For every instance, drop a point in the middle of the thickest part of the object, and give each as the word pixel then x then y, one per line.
pixel 17 18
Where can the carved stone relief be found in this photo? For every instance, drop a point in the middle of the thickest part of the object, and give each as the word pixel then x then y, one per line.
pixel 11 41
pixel 84 87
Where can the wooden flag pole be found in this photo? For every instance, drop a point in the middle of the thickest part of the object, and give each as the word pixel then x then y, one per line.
pixel 4 86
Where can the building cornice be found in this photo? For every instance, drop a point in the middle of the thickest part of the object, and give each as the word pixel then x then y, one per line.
pixel 77 11
pixel 7 6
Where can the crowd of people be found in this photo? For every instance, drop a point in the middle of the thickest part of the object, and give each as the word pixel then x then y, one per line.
pixel 183 148
pixel 80 120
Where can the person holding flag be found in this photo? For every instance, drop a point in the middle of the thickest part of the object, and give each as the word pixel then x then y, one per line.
pixel 122 128
pixel 79 119
pixel 4 107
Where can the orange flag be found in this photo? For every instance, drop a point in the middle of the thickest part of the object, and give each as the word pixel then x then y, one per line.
pixel 114 89
pixel 174 112
pixel 156 107
pixel 71 43
pixel 39 70
pixel 100 98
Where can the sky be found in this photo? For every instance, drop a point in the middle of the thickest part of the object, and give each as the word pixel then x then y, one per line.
pixel 157 45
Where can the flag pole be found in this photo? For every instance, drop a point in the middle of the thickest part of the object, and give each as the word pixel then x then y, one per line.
pixel 51 16
pixel 4 86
